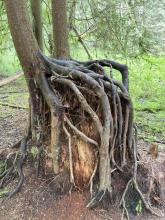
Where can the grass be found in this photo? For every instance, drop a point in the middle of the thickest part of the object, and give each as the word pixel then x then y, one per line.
pixel 147 83
pixel 9 64
pixel 15 94
pixel 2 167
pixel 147 88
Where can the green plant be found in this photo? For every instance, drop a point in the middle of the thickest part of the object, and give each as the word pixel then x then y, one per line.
pixel 139 207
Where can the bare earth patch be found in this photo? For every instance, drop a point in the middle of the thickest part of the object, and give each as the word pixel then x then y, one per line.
pixel 12 127
pixel 38 201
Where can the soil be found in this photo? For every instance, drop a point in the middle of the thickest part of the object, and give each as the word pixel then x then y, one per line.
pixel 12 127
pixel 37 200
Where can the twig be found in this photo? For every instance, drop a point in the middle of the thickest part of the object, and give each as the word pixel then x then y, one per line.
pixel 159 142
pixel 125 135
pixel 91 178
pixel 13 106
pixel 81 41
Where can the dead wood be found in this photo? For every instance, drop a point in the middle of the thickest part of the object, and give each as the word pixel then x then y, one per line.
pixel 10 79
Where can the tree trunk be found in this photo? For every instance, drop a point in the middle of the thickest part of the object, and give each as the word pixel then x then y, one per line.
pixel 60 29
pixel 36 9
pixel 28 54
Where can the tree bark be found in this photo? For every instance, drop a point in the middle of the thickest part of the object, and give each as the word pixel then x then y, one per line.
pixel 36 8
pixel 27 49
pixel 60 29
pixel 32 64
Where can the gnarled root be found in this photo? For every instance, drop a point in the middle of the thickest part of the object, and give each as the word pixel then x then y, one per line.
pixel 16 167
pixel 133 182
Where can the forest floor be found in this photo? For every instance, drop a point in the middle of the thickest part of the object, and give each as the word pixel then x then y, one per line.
pixel 37 200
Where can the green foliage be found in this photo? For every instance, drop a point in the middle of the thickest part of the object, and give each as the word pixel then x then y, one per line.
pixel 14 93
pixel 9 64
pixel 147 87
pixel 34 152
pixel 139 207
pixel 2 167
pixel 3 193
pixel 151 125
pixel 130 28
pixel 147 80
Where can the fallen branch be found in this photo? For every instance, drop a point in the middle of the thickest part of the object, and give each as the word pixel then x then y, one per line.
pixel 13 106
pixel 10 79
pixel 82 42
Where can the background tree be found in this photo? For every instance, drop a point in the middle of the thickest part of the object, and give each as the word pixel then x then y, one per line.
pixel 36 8
pixel 60 29
pixel 124 23
pixel 130 27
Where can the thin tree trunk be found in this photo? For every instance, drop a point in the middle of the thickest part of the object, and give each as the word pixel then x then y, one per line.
pixel 36 8
pixel 34 70
pixel 22 32
pixel 27 53
pixel 60 29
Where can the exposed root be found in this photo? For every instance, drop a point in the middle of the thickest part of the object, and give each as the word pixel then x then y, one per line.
pixel 21 177
pixel 80 134
pixel 5 175
pixel 40 151
pixel 125 135
pixel 70 155
pixel 96 199
pixel 133 181
pixel 16 167
pixel 116 145
pixel 146 204
pixel 83 102
pixel 92 176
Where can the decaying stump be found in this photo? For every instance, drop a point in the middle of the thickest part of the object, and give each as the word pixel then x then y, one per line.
pixel 82 119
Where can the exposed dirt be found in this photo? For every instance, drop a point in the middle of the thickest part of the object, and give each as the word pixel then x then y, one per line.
pixel 38 202
pixel 12 127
